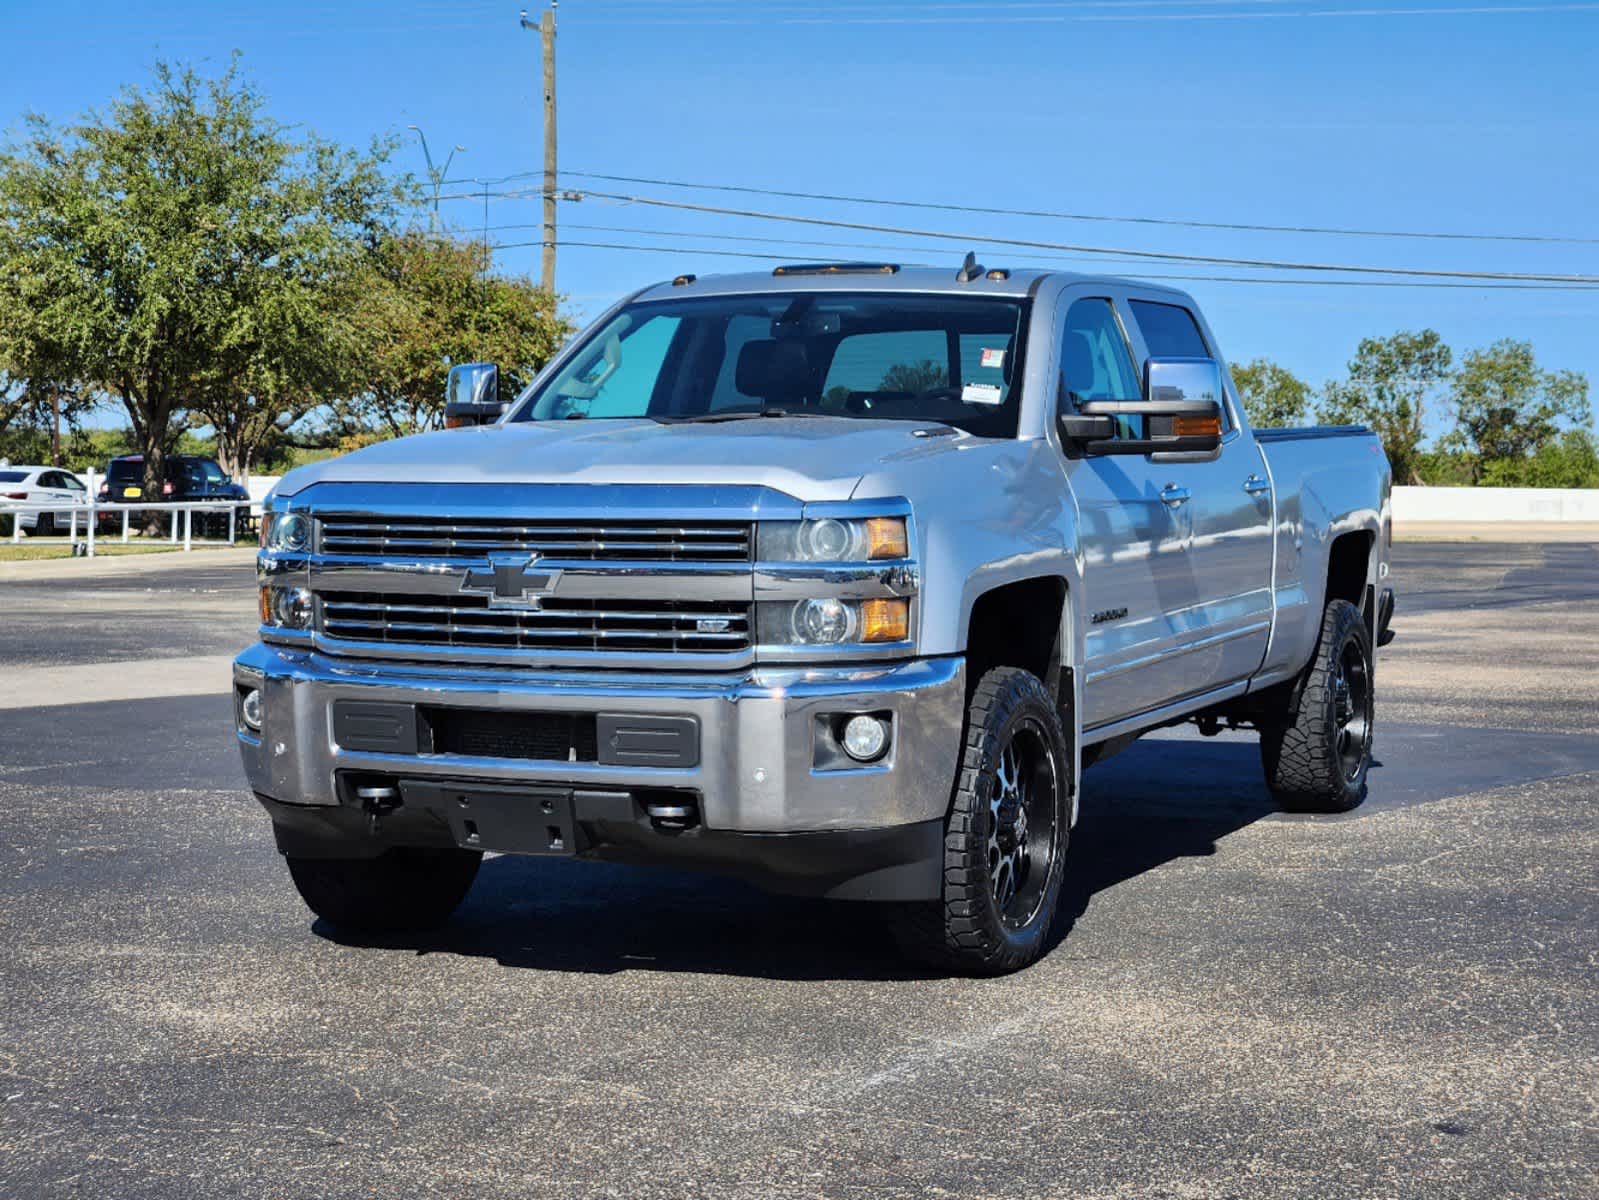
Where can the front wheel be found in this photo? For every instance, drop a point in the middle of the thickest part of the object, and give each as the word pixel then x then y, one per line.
pixel 400 889
pixel 1317 751
pixel 1006 835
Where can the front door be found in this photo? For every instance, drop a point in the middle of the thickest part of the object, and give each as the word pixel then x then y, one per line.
pixel 1132 537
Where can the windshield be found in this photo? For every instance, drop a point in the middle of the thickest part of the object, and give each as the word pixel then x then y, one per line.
pixel 906 357
pixel 12 476
pixel 125 468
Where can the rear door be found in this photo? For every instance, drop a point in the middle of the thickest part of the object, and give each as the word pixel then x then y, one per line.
pixel 1221 629
pixel 1131 540
pixel 51 488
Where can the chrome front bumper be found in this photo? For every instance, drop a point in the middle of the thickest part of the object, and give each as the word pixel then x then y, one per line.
pixel 757 770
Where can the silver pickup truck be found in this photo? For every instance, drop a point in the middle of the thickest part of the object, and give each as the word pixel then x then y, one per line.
pixel 833 578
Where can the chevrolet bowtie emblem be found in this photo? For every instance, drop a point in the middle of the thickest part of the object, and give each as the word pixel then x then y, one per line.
pixel 511 582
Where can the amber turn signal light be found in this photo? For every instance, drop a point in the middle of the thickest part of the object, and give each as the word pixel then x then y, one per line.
pixel 1196 426
pixel 885 620
pixel 885 538
pixel 266 604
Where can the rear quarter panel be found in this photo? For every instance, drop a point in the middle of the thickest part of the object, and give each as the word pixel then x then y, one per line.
pixel 1328 483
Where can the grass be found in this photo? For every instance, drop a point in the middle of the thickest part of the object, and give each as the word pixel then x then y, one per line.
pixel 31 549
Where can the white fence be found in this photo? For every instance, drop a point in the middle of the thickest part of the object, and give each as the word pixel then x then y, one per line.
pixel 1468 505
pixel 92 512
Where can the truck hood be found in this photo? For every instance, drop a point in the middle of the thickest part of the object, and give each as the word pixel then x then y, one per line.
pixel 808 458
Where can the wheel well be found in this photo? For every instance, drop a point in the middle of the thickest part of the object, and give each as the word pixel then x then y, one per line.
pixel 1348 560
pixel 1018 625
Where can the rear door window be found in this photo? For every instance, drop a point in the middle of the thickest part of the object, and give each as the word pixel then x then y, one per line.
pixel 1169 330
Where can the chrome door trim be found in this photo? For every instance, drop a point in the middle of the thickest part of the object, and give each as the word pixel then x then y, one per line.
pixel 1203 643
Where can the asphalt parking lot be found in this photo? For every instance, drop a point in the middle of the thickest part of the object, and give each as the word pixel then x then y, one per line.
pixel 1400 1002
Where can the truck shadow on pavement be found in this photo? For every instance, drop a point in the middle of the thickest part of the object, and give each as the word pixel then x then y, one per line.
pixel 1146 809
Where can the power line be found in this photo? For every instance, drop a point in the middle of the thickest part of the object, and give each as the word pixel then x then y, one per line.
pixel 1115 252
pixel 808 245
pixel 1072 216
pixel 1192 278
pixel 1087 18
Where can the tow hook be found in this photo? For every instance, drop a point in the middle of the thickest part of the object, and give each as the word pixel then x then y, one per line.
pixel 672 817
pixel 377 800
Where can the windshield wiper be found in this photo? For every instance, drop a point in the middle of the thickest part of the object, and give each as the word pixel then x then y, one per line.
pixel 741 414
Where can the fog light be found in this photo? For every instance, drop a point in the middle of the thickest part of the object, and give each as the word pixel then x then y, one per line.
pixel 865 738
pixel 250 708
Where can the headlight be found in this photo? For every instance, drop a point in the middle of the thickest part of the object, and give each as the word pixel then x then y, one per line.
pixel 833 539
pixel 286 607
pixel 832 622
pixel 286 531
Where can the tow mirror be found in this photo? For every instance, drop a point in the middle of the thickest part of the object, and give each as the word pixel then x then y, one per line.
pixel 472 396
pixel 1181 407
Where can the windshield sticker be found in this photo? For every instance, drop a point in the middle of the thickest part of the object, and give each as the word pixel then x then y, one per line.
pixel 982 393
pixel 993 358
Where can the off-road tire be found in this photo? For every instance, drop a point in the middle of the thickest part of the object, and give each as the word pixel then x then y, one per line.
pixel 1306 764
pixel 963 930
pixel 400 889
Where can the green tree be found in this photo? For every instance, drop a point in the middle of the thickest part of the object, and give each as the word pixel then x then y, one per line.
pixel 1391 380
pixel 183 251
pixel 1273 396
pixel 428 301
pixel 1570 461
pixel 1508 409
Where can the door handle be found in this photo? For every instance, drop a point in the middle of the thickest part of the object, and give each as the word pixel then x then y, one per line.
pixel 1171 495
pixel 1255 485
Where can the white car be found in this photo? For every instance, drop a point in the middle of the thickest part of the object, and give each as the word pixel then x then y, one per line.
pixel 43 485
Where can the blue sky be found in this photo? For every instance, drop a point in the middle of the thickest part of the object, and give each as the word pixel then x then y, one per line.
pixel 1256 111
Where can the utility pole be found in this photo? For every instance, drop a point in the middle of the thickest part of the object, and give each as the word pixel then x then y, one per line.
pixel 546 31
pixel 435 174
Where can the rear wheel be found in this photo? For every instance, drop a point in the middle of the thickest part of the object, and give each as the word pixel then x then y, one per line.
pixel 398 890
pixel 44 525
pixel 1005 838
pixel 1317 752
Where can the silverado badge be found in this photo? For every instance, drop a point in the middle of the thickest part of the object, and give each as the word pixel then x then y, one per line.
pixel 511 582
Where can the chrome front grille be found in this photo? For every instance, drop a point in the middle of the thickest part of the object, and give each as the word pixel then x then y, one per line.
pixel 571 541
pixel 661 627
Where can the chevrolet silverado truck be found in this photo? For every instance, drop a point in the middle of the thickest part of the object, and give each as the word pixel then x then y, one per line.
pixel 833 578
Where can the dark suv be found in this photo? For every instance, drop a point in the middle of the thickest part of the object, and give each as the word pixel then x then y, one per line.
pixel 187 477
